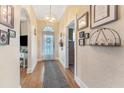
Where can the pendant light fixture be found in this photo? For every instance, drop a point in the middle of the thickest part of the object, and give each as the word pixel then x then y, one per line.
pixel 50 17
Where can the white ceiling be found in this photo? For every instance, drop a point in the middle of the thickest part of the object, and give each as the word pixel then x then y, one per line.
pixel 43 10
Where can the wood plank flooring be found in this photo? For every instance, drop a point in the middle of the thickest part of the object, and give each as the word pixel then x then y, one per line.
pixel 35 80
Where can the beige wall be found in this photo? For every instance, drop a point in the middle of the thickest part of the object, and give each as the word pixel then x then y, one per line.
pixel 40 26
pixel 97 66
pixel 9 55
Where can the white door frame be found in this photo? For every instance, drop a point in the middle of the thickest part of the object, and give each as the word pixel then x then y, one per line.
pixel 75 47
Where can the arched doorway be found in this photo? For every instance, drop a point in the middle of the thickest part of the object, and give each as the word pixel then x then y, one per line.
pixel 48 43
pixel 25 44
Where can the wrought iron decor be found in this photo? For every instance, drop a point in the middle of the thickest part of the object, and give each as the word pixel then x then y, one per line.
pixel 104 37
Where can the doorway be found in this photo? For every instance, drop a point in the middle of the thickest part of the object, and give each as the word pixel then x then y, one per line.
pixel 48 43
pixel 24 44
pixel 71 46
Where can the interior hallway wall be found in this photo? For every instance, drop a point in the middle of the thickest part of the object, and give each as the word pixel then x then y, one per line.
pixel 9 54
pixel 96 66
pixel 40 26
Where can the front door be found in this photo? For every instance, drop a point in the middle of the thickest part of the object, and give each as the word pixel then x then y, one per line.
pixel 48 47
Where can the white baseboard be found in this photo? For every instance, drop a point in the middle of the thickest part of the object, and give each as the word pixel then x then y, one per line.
pixel 80 83
pixel 19 86
pixel 43 73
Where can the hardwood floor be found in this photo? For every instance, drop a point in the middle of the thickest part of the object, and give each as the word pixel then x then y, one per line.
pixel 35 79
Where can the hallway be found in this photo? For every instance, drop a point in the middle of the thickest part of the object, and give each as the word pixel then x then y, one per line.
pixel 86 43
pixel 35 80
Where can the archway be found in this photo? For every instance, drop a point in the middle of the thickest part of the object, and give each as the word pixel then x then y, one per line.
pixel 25 45
pixel 48 43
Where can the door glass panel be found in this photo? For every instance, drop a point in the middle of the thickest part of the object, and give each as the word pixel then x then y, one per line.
pixel 48 47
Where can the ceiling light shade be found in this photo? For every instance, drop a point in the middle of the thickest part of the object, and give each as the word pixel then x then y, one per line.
pixel 50 17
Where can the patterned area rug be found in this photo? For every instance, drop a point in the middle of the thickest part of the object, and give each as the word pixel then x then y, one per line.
pixel 53 77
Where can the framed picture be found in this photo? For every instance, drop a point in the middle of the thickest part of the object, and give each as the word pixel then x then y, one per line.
pixel 81 42
pixel 7 15
pixel 87 35
pixel 82 34
pixel 12 33
pixel 4 38
pixel 102 14
pixel 82 22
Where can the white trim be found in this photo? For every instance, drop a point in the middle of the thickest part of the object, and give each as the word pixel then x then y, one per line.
pixel 19 86
pixel 75 49
pixel 75 45
pixel 80 83
pixel 43 73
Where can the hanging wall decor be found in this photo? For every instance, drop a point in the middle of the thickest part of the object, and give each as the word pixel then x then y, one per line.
pixel 102 14
pixel 4 38
pixel 81 42
pixel 83 36
pixel 7 15
pixel 12 33
pixel 82 21
pixel 104 37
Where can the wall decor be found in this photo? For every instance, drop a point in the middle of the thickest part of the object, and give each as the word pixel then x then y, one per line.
pixel 4 38
pixel 82 21
pixel 87 35
pixel 12 33
pixel 7 15
pixel 61 43
pixel 82 34
pixel 104 37
pixel 81 42
pixel 35 32
pixel 102 14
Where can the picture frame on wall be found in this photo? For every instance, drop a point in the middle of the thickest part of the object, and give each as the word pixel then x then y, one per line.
pixel 102 14
pixel 12 33
pixel 81 42
pixel 82 34
pixel 7 15
pixel 4 38
pixel 82 21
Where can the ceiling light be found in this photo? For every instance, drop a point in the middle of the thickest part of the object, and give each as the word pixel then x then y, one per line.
pixel 50 17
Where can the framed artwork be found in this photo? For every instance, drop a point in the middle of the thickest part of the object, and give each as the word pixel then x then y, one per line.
pixel 102 14
pixel 87 35
pixel 4 38
pixel 12 33
pixel 35 33
pixel 82 22
pixel 81 42
pixel 82 34
pixel 7 15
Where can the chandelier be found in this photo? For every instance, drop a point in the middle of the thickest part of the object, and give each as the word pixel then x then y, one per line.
pixel 50 17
